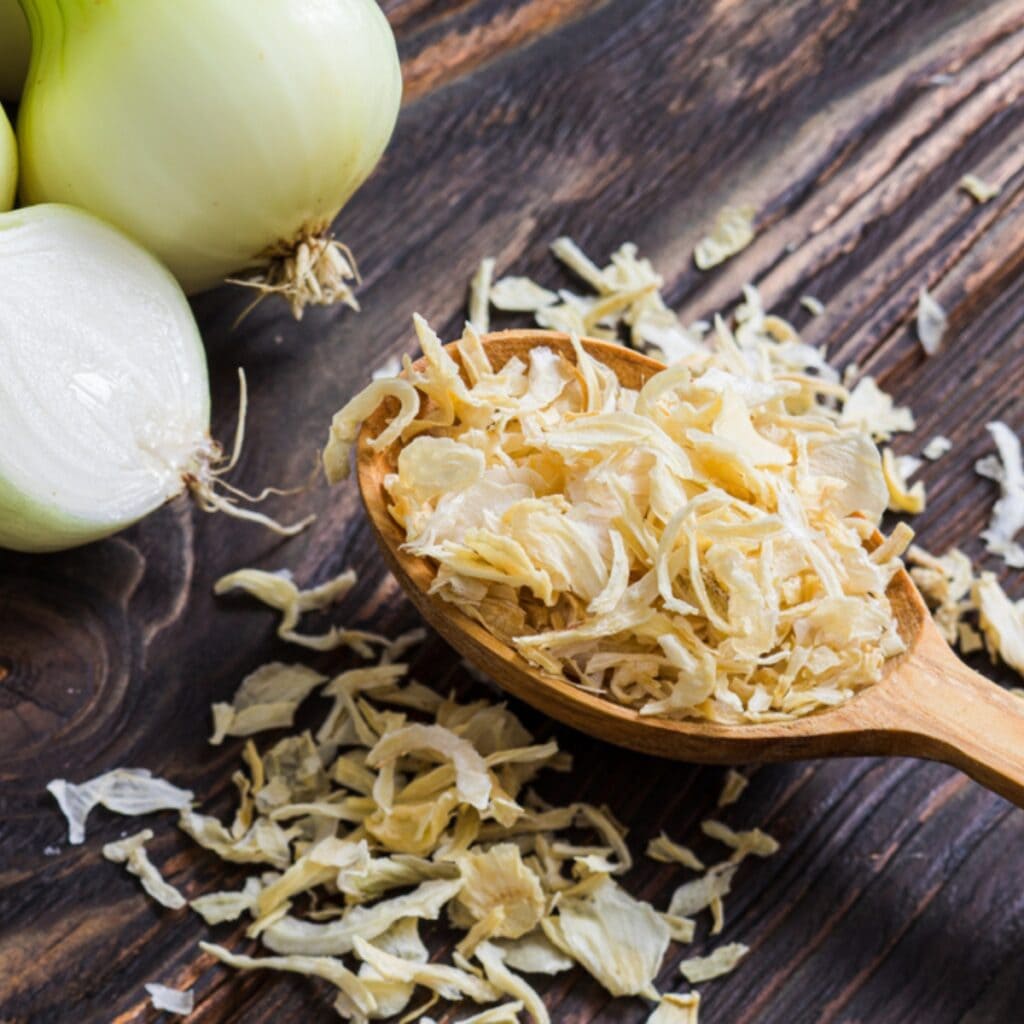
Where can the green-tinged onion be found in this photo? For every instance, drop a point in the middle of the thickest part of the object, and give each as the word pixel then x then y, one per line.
pixel 14 49
pixel 8 163
pixel 104 400
pixel 221 134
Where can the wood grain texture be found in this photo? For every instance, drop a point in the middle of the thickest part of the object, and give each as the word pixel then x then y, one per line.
pixel 896 895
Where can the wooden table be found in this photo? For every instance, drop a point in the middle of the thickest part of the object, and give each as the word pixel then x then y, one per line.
pixel 897 896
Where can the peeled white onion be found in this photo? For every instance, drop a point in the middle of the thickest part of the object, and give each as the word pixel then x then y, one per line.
pixel 221 134
pixel 104 399
pixel 8 163
pixel 14 49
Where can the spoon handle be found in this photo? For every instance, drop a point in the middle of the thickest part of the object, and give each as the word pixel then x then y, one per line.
pixel 943 710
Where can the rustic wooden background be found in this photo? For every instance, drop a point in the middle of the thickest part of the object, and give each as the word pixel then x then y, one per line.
pixel 897 896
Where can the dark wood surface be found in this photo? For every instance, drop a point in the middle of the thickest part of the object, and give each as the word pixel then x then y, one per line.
pixel 897 896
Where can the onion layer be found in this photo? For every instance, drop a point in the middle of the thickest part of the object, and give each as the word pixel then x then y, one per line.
pixel 8 163
pixel 104 400
pixel 14 49
pixel 221 134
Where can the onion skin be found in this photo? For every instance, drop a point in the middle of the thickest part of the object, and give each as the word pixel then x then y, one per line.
pixel 8 162
pixel 215 132
pixel 15 47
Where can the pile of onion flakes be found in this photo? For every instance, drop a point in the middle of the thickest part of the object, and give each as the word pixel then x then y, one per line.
pixel 403 807
pixel 695 548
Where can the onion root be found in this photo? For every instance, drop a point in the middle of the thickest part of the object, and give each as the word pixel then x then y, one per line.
pixel 313 270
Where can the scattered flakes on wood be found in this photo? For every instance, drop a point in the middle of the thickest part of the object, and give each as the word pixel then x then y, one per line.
pixel 501 864
pixel 723 960
pixel 480 296
pixel 278 590
pixel 620 940
pixel 128 791
pixel 218 907
pixel 813 306
pixel 931 322
pixel 980 191
pixel 937 447
pixel 908 465
pixel 1007 469
pixel 1001 621
pixel 328 968
pixel 521 295
pixel 676 1008
pixel 753 842
pixel 902 497
pixel 171 1000
pixel 733 231
pixel 693 897
pixel 131 852
pixel 733 787
pixel 875 411
pixel 946 582
pixel 667 851
pixel 267 699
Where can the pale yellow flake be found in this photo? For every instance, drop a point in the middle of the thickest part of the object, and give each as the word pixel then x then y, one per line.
pixel 670 852
pixel 480 296
pixel 621 941
pixel 753 842
pixel 1008 514
pixel 1001 621
pixel 721 961
pixel 278 590
pixel 732 789
pixel 676 1008
pixel 520 295
pixel 902 497
pixel 170 1000
pixel 267 699
pixel 328 968
pixel 448 982
pixel 347 421
pixel 131 852
pixel 498 878
pixel 980 191
pixel 510 984
pixel 129 791
pixel 733 231
pixel 931 322
pixel 936 447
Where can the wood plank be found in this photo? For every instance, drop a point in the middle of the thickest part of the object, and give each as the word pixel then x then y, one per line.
pixel 606 120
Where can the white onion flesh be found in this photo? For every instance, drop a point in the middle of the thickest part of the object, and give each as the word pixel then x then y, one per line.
pixel 104 397
pixel 215 132
pixel 14 49
pixel 8 163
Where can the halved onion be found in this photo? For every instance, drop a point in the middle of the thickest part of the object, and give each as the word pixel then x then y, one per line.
pixel 104 399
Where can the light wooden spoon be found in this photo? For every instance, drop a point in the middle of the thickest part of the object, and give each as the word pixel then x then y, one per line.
pixel 928 704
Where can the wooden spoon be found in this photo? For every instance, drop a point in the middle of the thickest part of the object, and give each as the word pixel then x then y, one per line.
pixel 928 704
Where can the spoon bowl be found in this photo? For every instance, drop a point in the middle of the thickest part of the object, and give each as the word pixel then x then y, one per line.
pixel 928 703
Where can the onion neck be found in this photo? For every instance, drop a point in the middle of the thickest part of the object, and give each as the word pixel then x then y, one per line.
pixel 53 21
